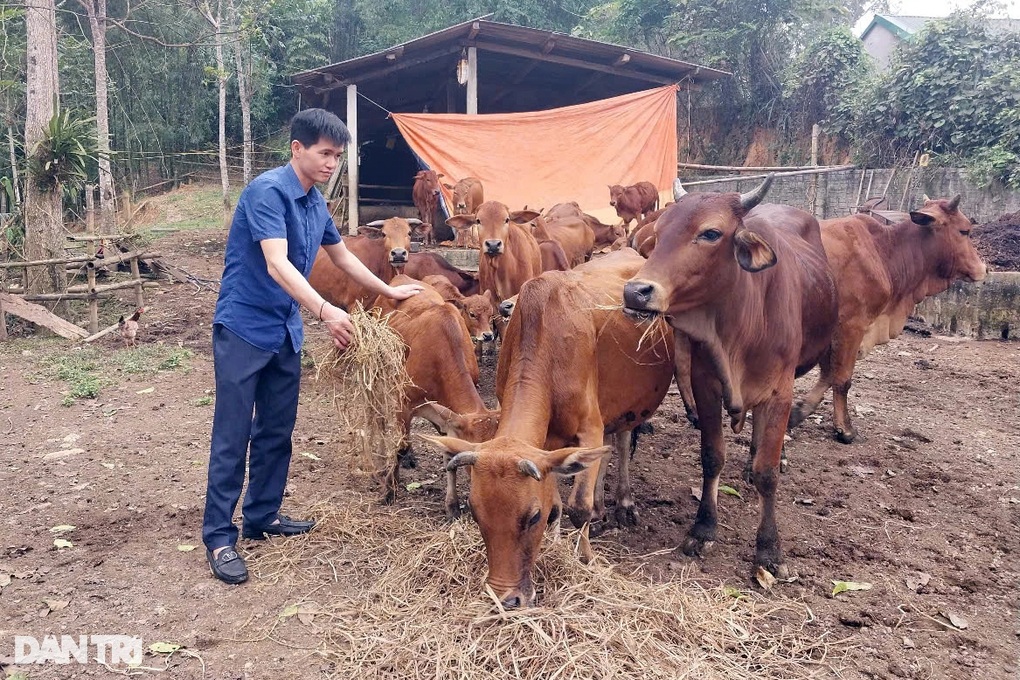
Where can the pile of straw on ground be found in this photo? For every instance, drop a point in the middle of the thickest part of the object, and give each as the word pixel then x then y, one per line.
pixel 393 595
pixel 368 382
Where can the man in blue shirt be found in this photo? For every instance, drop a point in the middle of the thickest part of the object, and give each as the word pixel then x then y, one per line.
pixel 280 222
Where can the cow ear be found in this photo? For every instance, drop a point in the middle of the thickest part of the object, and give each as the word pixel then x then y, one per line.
pixel 461 221
pixel 449 444
pixel 570 461
pixel 443 418
pixel 523 216
pixel 753 253
pixel 440 175
pixel 447 185
pixel 921 219
pixel 371 232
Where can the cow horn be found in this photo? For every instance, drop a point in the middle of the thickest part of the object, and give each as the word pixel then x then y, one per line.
pixel 924 197
pixel 414 221
pixel 755 196
pixel 530 469
pixel 376 224
pixel 678 189
pixel 955 203
pixel 461 459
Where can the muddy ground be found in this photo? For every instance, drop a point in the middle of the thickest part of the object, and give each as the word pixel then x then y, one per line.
pixel 930 493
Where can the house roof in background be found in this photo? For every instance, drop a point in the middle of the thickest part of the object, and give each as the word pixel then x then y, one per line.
pixel 904 26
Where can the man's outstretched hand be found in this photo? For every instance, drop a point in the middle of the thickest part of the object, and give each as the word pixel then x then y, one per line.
pixel 404 291
pixel 338 323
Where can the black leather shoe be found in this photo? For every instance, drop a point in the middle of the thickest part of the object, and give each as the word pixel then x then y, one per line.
pixel 229 567
pixel 285 527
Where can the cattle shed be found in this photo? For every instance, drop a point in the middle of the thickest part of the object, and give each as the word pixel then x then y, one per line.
pixel 476 67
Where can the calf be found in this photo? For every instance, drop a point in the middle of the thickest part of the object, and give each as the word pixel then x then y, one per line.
pixel 425 194
pixel 478 310
pixel 881 273
pixel 382 246
pixel 749 286
pixel 634 201
pixel 468 195
pixel 569 230
pixel 443 371
pixel 509 255
pixel 559 404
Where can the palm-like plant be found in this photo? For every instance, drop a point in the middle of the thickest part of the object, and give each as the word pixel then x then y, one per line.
pixel 61 157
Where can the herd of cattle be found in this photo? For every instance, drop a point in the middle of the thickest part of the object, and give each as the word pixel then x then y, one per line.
pixel 730 297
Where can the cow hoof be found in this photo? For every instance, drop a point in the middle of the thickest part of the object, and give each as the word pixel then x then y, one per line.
pixel 626 516
pixel 695 547
pixel 692 418
pixel 797 416
pixel 749 471
pixel 453 512
pixel 776 568
pixel 844 437
pixel 579 516
pixel 407 459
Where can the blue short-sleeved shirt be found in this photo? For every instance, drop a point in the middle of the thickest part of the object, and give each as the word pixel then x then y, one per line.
pixel 251 304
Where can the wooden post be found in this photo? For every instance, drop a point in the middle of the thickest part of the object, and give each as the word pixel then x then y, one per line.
pixel 136 275
pixel 90 251
pixel 472 83
pixel 817 206
pixel 3 321
pixel 352 160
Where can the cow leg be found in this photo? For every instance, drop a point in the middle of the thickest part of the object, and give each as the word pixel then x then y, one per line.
pixel 452 499
pixel 809 404
pixel 581 504
pixel 771 417
pixel 708 399
pixel 626 513
pixel 844 360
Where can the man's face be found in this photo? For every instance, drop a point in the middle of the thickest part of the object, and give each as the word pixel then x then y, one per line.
pixel 315 163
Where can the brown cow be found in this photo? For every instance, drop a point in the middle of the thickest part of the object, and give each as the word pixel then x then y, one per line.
pixel 425 194
pixel 634 201
pixel 477 310
pixel 881 273
pixel 443 370
pixel 558 406
pixel 468 194
pixel 509 255
pixel 420 265
pixel 569 230
pixel 382 246
pixel 752 291
pixel 605 234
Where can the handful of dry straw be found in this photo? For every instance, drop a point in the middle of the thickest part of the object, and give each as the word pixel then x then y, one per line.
pixel 369 381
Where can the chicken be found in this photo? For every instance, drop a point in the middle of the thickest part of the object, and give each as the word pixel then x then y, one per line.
pixel 129 327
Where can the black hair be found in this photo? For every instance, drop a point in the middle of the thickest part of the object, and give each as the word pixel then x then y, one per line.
pixel 311 125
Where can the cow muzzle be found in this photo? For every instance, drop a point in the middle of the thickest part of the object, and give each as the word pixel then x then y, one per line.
pixel 640 299
pixel 398 257
pixel 487 336
pixel 519 597
pixel 493 247
pixel 506 308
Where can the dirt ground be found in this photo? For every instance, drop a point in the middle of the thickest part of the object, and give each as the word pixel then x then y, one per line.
pixel 929 494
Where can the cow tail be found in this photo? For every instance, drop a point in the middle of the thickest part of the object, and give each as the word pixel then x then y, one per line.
pixel 643 428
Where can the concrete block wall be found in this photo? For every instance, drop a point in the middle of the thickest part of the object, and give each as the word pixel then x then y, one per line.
pixel 986 310
pixel 838 191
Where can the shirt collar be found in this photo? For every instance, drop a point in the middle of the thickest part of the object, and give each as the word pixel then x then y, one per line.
pixel 294 188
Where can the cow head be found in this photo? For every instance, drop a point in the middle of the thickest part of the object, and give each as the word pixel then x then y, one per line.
pixel 460 196
pixel 615 191
pixel 470 427
pixel 493 222
pixel 396 235
pixel 428 180
pixel 956 256
pixel 514 497
pixel 478 311
pixel 701 245
pixel 506 307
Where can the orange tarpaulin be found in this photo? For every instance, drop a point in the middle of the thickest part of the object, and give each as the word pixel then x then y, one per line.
pixel 542 158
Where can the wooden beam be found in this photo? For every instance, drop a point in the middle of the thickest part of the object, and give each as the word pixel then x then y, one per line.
pixel 395 54
pixel 388 68
pixel 41 316
pixel 549 46
pixel 587 82
pixel 352 160
pixel 472 83
pixel 578 63
pixel 475 28
pixel 621 60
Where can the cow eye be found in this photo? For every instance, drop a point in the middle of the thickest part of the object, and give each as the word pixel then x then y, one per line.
pixel 472 315
pixel 710 235
pixel 534 518
pixel 965 233
pixel 506 221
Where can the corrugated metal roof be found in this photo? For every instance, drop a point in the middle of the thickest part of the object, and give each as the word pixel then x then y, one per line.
pixel 904 26
pixel 506 39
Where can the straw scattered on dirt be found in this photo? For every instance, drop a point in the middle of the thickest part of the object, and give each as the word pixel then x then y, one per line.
pixel 368 382
pixel 390 594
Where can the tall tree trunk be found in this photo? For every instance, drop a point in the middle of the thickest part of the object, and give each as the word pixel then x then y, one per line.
pixel 96 10
pixel 242 58
pixel 14 166
pixel 44 234
pixel 221 71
